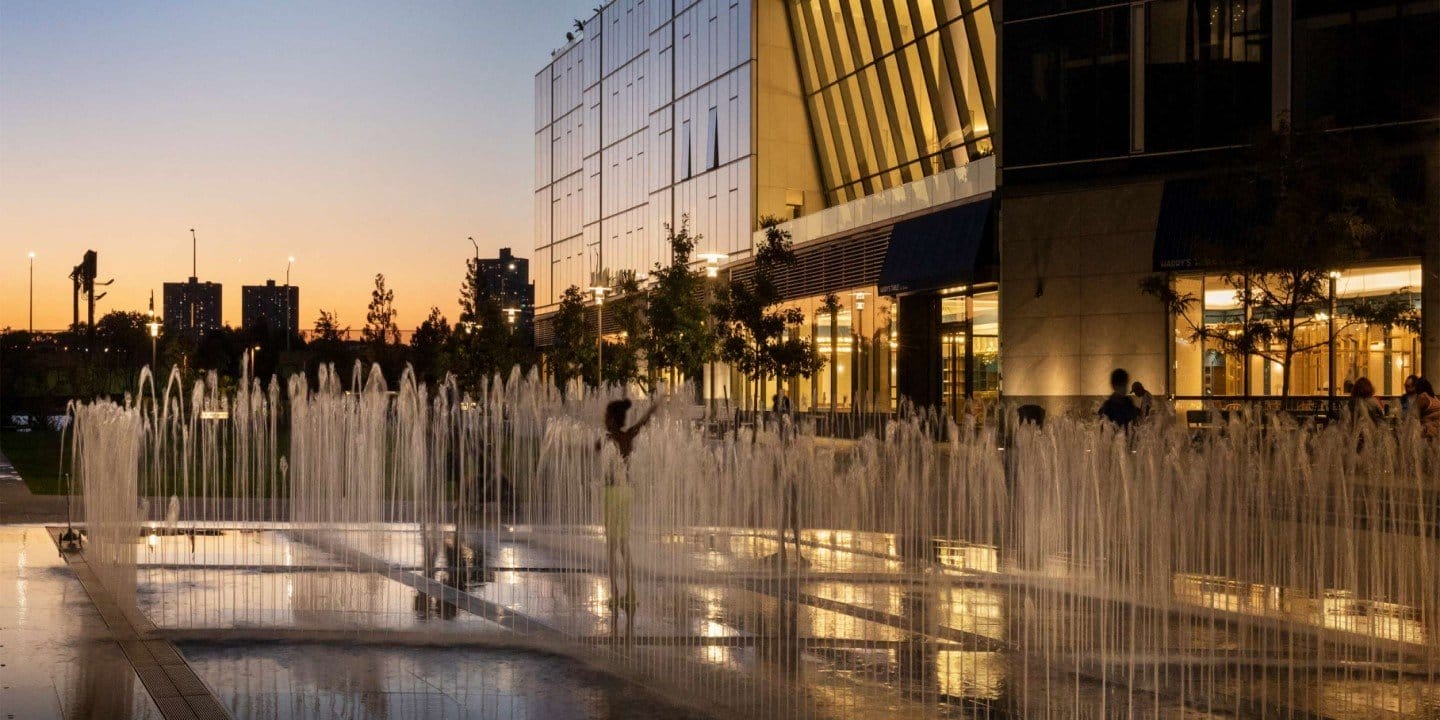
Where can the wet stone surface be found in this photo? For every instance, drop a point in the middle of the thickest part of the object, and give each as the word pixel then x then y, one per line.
pixel 283 681
pixel 57 657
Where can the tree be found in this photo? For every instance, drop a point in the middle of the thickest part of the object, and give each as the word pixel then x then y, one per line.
pixel 431 346
pixel 628 312
pixel 327 341
pixel 123 339
pixel 681 338
pixel 1316 206
pixel 380 328
pixel 753 336
pixel 573 353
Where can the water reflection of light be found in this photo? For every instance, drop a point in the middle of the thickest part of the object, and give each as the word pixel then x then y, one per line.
pixel 1337 610
pixel 967 673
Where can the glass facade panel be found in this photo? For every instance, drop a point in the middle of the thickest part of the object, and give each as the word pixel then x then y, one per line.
pixel 1207 72
pixel 1359 62
pixel 1067 87
pixel 969 351
pixel 898 89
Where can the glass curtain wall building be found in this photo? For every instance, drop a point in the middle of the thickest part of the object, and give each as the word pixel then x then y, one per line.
pixel 850 119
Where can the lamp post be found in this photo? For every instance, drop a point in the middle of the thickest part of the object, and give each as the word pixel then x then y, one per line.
pixel 154 327
pixel 32 292
pixel 1334 279
pixel 860 362
pixel 599 291
pixel 289 330
pixel 712 275
pixel 510 314
pixel 154 335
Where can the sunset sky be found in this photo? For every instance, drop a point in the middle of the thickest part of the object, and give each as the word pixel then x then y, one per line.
pixel 361 137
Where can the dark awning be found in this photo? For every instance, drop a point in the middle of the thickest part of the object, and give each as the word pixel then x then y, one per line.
pixel 936 250
pixel 1198 218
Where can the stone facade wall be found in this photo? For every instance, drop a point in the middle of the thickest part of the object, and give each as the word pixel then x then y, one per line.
pixel 1070 305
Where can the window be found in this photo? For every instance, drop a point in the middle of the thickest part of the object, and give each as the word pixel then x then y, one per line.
pixel 685 150
pixel 1208 366
pixel 712 149
pixel 1067 87
pixel 1207 72
pixel 1365 61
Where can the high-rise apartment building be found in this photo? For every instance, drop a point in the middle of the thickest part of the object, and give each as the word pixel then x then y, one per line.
pixel 193 308
pixel 508 277
pixel 270 308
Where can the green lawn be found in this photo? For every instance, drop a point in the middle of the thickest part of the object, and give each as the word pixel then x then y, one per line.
pixel 36 456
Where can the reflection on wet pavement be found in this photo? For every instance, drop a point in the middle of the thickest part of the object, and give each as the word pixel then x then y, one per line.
pixel 949 646
pixel 275 682
pixel 57 658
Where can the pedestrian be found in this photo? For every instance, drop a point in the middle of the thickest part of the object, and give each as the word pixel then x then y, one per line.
pixel 1119 408
pixel 618 494
pixel 1363 402
pixel 1144 399
pixel 780 403
pixel 1407 401
pixel 1427 407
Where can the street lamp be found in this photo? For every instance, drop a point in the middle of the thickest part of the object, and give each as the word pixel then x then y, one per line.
pixel 712 263
pixel 712 272
pixel 861 361
pixel 290 262
pixel 154 326
pixel 599 291
pixel 510 313
pixel 32 292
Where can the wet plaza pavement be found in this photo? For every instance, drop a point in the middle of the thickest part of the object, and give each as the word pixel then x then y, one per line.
pixel 58 658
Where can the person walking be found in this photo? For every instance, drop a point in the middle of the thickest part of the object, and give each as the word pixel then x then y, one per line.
pixel 1119 408
pixel 618 494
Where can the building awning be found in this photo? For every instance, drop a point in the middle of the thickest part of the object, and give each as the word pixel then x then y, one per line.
pixel 1195 221
pixel 937 250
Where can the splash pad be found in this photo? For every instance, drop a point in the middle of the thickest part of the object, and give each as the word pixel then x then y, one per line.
pixel 1270 569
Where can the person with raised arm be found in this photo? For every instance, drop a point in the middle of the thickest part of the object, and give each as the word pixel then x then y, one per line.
pixel 618 494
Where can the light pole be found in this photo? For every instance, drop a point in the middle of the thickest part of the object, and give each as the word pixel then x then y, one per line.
pixel 154 327
pixel 32 292
pixel 860 362
pixel 289 330
pixel 510 313
pixel 712 275
pixel 600 291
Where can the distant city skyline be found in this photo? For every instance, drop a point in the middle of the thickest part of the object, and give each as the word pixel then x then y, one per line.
pixel 357 137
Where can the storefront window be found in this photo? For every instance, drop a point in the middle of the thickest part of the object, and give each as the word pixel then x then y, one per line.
pixel 859 373
pixel 1209 366
pixel 969 350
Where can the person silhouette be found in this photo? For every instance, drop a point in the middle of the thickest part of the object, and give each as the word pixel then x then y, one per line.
pixel 1119 408
pixel 618 494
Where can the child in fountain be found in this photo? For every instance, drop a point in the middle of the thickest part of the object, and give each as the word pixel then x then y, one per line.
pixel 618 493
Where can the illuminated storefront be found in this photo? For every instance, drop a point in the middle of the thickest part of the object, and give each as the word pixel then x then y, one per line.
pixel 1206 368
